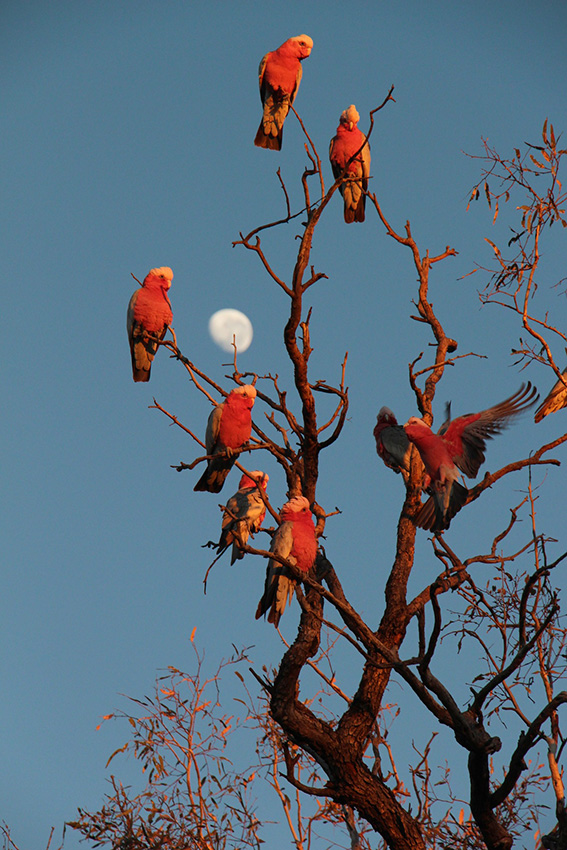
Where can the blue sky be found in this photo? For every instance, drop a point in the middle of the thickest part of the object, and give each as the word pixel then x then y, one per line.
pixel 127 143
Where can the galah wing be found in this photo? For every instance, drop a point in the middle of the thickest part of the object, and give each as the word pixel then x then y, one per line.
pixel 228 429
pixel 244 514
pixel 392 442
pixel 465 436
pixel 556 400
pixel 349 141
pixel 295 541
pixel 279 76
pixel 460 444
pixel 149 314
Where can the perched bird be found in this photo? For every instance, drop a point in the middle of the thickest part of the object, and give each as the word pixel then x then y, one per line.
pixel 295 541
pixel 459 445
pixel 228 428
pixel 392 442
pixel 344 145
pixel 149 312
pixel 279 76
pixel 556 399
pixel 244 514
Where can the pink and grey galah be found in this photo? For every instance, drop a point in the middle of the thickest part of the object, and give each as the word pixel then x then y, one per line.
pixel 149 314
pixel 279 76
pixel 459 446
pixel 295 541
pixel 392 443
pixel 344 145
pixel 555 400
pixel 228 429
pixel 244 514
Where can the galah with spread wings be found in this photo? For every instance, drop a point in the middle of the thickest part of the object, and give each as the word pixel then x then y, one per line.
pixel 344 145
pixel 244 514
pixel 279 76
pixel 149 312
pixel 392 442
pixel 459 445
pixel 556 400
pixel 228 429
pixel 295 541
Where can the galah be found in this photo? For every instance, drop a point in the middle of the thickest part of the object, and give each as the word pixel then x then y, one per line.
pixel 149 312
pixel 228 428
pixel 459 445
pixel 295 541
pixel 392 442
pixel 344 145
pixel 279 76
pixel 556 400
pixel 244 514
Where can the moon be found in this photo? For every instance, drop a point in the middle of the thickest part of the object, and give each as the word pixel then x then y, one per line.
pixel 224 324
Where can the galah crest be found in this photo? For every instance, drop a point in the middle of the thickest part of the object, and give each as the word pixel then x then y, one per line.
pixel 228 429
pixel 392 442
pixel 279 76
pixel 295 541
pixel 459 445
pixel 344 145
pixel 556 400
pixel 149 312
pixel 244 514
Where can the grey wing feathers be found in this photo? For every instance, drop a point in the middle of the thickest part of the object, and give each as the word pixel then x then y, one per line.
pixel 493 420
pixel 337 170
pixel 239 520
pixel 447 421
pixel 488 424
pixel 215 474
pixel 130 313
pixel 282 541
pixel 297 82
pixel 397 445
pixel 213 425
pixel 261 76
pixel 278 587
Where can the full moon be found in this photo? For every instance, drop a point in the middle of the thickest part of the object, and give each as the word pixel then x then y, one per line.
pixel 228 323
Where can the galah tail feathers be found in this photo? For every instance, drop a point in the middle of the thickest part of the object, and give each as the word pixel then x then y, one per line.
pixel 349 141
pixel 279 77
pixel 555 400
pixel 228 429
pixel 244 514
pixel 459 446
pixel 149 313
pixel 295 541
pixel 392 442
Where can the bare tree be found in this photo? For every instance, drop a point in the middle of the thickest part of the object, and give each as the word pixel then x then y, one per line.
pixel 336 747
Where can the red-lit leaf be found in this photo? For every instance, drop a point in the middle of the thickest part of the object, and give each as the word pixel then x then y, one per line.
pixel 115 753
pixel 494 247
